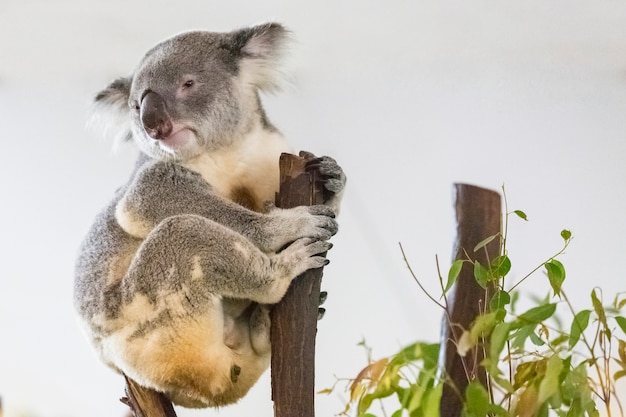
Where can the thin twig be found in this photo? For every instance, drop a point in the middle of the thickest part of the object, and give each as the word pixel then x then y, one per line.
pixel 406 261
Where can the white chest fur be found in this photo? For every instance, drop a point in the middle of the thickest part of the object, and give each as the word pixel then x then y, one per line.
pixel 250 164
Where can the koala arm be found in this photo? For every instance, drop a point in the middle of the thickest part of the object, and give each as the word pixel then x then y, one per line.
pixel 160 190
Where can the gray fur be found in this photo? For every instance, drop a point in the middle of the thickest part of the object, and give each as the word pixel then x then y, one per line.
pixel 175 276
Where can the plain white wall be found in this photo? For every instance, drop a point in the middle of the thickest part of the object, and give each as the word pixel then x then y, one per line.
pixel 410 96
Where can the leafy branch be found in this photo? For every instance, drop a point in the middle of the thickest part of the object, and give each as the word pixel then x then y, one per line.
pixel 535 366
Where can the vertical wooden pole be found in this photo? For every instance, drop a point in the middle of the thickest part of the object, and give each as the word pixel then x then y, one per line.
pixel 478 215
pixel 294 318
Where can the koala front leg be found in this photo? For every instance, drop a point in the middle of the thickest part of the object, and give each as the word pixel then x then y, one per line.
pixel 184 248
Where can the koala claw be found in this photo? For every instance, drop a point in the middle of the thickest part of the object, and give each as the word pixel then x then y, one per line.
pixel 322 210
pixel 235 370
pixel 323 297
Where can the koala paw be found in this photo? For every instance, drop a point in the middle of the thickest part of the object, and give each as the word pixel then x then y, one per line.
pixel 332 176
pixel 323 221
pixel 288 225
pixel 305 254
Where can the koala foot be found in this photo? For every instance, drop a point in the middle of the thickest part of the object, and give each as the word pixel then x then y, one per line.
pixel 260 329
pixel 305 254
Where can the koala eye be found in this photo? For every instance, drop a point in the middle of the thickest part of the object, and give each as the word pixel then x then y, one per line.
pixel 188 84
pixel 134 105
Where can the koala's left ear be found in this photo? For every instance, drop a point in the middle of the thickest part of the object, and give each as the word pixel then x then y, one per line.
pixel 260 49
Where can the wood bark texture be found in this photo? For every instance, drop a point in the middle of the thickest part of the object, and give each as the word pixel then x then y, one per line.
pixel 146 402
pixel 294 318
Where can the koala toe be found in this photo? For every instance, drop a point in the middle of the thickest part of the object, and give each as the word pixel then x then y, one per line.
pixel 322 210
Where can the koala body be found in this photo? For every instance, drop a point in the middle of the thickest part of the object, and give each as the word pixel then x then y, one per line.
pixel 175 277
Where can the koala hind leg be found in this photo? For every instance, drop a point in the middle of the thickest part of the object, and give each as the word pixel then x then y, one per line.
pixel 260 329
pixel 173 335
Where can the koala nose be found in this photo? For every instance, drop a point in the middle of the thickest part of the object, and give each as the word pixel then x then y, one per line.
pixel 154 116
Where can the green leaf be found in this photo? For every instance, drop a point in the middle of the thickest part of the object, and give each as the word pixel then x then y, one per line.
pixel 550 383
pixel 521 335
pixel 499 336
pixel 501 266
pixel 556 275
pixel 521 215
pixel 500 299
pixel 453 273
pixel 430 405
pixel 562 338
pixel 619 374
pixel 481 274
pixel 536 339
pixel 566 234
pixel 621 322
pixel 579 324
pixel 478 403
pixel 483 324
pixel 527 371
pixel 598 308
pixel 536 315
pixel 484 242
pixel 477 399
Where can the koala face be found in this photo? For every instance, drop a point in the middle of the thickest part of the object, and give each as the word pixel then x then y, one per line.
pixel 186 96
pixel 197 91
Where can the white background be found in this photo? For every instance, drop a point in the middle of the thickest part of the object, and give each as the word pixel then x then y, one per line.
pixel 410 96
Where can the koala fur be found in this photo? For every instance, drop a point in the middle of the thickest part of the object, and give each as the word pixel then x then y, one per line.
pixel 175 277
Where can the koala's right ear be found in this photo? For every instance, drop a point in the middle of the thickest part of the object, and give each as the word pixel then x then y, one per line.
pixel 110 114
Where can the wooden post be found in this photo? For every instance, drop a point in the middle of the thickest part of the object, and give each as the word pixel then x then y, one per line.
pixel 478 214
pixel 294 318
pixel 145 402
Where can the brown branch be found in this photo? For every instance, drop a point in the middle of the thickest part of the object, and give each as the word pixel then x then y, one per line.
pixel 145 402
pixel 294 319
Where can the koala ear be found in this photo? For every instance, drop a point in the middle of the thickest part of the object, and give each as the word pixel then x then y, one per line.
pixel 110 114
pixel 260 49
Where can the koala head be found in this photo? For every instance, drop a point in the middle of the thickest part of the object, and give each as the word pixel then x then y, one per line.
pixel 194 92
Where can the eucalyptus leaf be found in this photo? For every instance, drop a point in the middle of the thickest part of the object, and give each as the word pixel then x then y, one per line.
pixel 550 383
pixel 499 300
pixel 598 308
pixel 566 234
pixel 579 324
pixel 619 374
pixel 537 341
pixel 621 322
pixel 499 336
pixel 476 400
pixel 521 214
pixel 536 315
pixel 556 275
pixel 453 273
pixel 484 242
pixel 481 274
pixel 501 266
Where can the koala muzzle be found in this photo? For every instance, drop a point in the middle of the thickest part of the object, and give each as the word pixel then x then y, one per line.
pixel 154 116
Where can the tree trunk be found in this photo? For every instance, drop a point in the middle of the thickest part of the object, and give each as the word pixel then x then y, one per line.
pixel 478 214
pixel 294 318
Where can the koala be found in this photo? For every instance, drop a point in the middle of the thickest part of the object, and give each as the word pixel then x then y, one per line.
pixel 176 277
